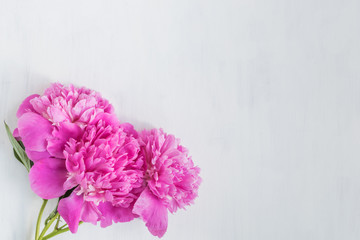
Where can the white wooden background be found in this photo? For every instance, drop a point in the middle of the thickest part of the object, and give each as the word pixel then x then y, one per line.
pixel 264 93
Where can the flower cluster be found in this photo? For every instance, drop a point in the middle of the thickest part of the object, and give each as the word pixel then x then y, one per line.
pixel 100 169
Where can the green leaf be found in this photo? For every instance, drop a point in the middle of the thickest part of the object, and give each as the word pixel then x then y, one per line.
pixel 18 149
pixel 21 144
pixel 17 157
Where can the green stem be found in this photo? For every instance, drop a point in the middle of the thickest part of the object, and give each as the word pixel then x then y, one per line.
pixel 47 226
pixel 62 226
pixel 39 218
pixel 56 232
pixel 57 223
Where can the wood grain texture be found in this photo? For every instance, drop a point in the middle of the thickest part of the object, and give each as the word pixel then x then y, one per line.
pixel 265 94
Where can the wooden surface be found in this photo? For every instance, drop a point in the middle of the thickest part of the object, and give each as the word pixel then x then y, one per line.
pixel 265 94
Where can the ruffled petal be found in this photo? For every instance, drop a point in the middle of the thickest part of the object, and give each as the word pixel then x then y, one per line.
pixel 109 119
pixel 153 212
pixel 47 178
pixel 56 144
pixel 70 210
pixel 26 106
pixel 111 213
pixel 41 104
pixel 34 131
pixel 57 114
pixel 129 129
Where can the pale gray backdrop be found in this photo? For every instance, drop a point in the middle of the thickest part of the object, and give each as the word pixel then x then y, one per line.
pixel 265 94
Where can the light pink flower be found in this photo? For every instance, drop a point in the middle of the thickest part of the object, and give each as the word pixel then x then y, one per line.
pixel 171 177
pixel 105 172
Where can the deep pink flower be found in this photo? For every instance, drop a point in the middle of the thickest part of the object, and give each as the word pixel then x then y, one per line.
pixel 111 173
pixel 105 172
pixel 171 177
pixel 46 122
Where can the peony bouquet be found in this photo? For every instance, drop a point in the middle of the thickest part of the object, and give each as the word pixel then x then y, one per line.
pixel 97 168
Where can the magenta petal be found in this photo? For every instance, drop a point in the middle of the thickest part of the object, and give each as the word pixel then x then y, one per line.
pixel 109 119
pixel 129 129
pixel 111 213
pixel 90 213
pixel 34 131
pixel 153 212
pixel 35 156
pixel 16 134
pixel 26 106
pixel 47 178
pixel 56 144
pixel 70 209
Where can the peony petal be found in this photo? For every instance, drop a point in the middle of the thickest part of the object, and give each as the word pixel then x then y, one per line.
pixel 41 104
pixel 16 134
pixel 169 144
pixel 111 213
pixel 57 114
pixel 153 212
pixel 129 129
pixel 86 116
pixel 90 213
pixel 109 119
pixel 34 131
pixel 35 156
pixel 47 177
pixel 130 150
pixel 26 106
pixel 61 135
pixel 70 209
pixel 78 108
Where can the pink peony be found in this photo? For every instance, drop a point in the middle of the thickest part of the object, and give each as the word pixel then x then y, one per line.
pixel 105 172
pixel 108 171
pixel 46 122
pixel 171 177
